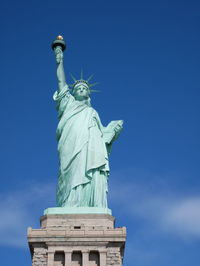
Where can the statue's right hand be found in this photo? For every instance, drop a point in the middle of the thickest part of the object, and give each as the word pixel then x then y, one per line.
pixel 59 54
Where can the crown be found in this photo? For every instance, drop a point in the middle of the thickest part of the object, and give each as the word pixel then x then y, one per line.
pixel 83 82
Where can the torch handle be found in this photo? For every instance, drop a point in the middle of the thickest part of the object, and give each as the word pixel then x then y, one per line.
pixel 58 42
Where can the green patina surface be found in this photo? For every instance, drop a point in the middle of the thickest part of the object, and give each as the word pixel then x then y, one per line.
pixel 84 145
pixel 77 210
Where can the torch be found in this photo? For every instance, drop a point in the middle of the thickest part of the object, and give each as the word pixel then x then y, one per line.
pixel 59 42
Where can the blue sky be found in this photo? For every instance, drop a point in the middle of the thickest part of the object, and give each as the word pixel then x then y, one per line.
pixel 146 57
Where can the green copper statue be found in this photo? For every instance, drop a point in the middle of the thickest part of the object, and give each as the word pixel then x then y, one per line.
pixel 83 142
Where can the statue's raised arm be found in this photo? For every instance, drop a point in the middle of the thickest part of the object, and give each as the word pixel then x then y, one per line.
pixel 59 46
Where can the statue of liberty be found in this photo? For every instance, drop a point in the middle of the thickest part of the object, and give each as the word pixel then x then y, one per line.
pixel 83 142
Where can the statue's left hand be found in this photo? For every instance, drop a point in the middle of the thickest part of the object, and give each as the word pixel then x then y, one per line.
pixel 118 127
pixel 112 131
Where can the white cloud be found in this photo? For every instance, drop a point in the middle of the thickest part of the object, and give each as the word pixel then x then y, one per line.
pixel 21 209
pixel 162 210
pixel 183 217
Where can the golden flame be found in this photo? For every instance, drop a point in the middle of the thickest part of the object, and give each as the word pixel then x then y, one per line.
pixel 59 37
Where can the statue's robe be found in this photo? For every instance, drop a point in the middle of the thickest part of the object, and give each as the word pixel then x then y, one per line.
pixel 83 153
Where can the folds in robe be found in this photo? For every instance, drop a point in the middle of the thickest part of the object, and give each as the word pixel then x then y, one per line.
pixel 81 144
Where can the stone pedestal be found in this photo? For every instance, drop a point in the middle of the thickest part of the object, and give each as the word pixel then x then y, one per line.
pixel 77 240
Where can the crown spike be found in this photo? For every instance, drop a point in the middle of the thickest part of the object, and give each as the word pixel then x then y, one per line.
pixel 74 79
pixel 95 91
pixel 93 84
pixel 90 77
pixel 81 74
pixel 81 80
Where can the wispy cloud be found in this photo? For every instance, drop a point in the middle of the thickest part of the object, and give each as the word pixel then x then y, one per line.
pixel 183 217
pixel 20 209
pixel 161 208
pixel 159 216
pixel 160 211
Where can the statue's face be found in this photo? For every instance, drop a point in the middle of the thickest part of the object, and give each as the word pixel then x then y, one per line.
pixel 81 92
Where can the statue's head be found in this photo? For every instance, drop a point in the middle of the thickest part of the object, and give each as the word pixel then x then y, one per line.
pixel 81 88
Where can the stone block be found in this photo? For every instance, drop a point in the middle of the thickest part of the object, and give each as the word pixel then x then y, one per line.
pixel 72 233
